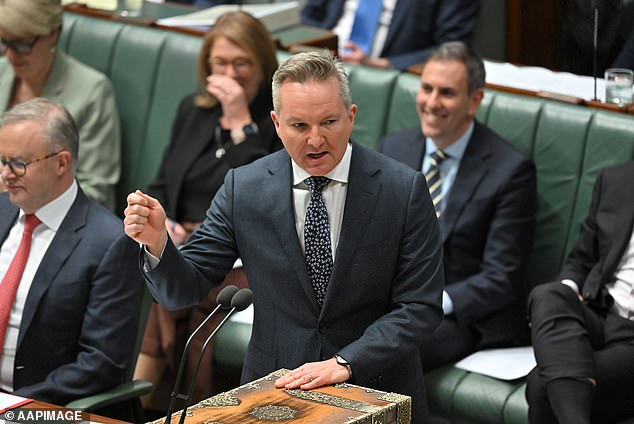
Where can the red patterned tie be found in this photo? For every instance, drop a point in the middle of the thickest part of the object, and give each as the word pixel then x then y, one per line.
pixel 12 278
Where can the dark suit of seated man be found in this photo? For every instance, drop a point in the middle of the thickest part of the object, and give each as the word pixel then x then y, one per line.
pixel 583 324
pixel 407 30
pixel 340 246
pixel 70 300
pixel 485 195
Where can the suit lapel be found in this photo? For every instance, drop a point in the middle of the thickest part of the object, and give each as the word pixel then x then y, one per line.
pixel 361 198
pixel 471 171
pixel 57 79
pixel 413 150
pixel 200 138
pixel 400 13
pixel 63 244
pixel 8 215
pixel 282 215
pixel 622 232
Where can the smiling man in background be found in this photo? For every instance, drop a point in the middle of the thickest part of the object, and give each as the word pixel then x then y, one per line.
pixel 484 192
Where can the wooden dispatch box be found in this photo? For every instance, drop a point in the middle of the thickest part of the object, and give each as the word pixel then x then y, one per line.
pixel 260 402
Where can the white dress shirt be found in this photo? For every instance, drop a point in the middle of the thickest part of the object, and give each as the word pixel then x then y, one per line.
pixel 448 170
pixel 334 196
pixel 51 215
pixel 344 26
pixel 622 290
pixel 448 167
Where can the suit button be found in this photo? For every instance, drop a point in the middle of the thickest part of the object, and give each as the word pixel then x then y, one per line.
pixel 321 329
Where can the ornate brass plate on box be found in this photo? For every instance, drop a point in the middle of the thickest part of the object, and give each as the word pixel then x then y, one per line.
pixel 260 402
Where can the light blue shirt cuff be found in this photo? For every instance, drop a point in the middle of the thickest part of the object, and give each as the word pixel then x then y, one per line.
pixel 447 303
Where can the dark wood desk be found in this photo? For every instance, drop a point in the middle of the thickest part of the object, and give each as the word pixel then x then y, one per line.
pixel 291 38
pixel 628 109
pixel 39 410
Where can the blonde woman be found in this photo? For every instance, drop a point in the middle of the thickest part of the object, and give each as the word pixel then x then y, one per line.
pixel 33 66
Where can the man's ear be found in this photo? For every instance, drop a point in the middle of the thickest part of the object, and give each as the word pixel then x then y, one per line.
pixel 64 161
pixel 274 119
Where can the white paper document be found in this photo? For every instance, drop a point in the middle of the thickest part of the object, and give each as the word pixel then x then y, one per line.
pixel 8 401
pixel 535 78
pixel 274 16
pixel 505 364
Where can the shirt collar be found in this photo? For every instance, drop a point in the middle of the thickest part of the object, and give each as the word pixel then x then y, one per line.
pixel 338 173
pixel 456 149
pixel 53 213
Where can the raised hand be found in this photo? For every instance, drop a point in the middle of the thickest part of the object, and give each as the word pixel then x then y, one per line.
pixel 144 222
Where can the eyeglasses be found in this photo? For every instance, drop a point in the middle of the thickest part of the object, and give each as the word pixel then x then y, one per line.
pixel 18 167
pixel 21 47
pixel 239 64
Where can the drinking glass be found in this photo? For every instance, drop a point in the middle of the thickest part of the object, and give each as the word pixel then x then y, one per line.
pixel 618 86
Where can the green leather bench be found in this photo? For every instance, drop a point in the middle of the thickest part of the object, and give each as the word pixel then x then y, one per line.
pixel 152 70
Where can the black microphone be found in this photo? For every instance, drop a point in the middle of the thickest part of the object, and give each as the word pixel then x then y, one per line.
pixel 595 43
pixel 239 302
pixel 224 301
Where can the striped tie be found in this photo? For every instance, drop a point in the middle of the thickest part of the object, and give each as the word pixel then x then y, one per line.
pixel 434 179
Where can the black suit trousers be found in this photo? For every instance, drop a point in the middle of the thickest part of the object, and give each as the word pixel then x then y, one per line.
pixel 573 341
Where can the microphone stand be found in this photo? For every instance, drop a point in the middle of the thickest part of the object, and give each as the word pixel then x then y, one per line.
pixel 595 45
pixel 221 299
pixel 202 352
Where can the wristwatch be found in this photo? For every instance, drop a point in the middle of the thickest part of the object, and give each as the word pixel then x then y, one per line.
pixel 344 363
pixel 238 136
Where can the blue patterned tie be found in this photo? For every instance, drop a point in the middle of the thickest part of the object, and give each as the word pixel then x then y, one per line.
pixel 434 179
pixel 318 250
pixel 366 21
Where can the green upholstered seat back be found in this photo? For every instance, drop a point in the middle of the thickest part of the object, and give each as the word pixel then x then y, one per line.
pixel 557 153
pixel 151 71
pixel 609 140
pixel 175 76
pixel 371 91
pixel 402 111
pixel 92 41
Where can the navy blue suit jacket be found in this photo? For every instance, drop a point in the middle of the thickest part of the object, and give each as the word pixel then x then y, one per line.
pixel 416 28
pixel 625 59
pixel 487 230
pixel 385 290
pixel 81 314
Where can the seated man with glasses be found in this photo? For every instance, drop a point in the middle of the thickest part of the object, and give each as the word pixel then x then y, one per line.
pixel 70 288
pixel 32 66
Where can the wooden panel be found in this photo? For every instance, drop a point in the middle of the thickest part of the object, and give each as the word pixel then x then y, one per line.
pixel 533 32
